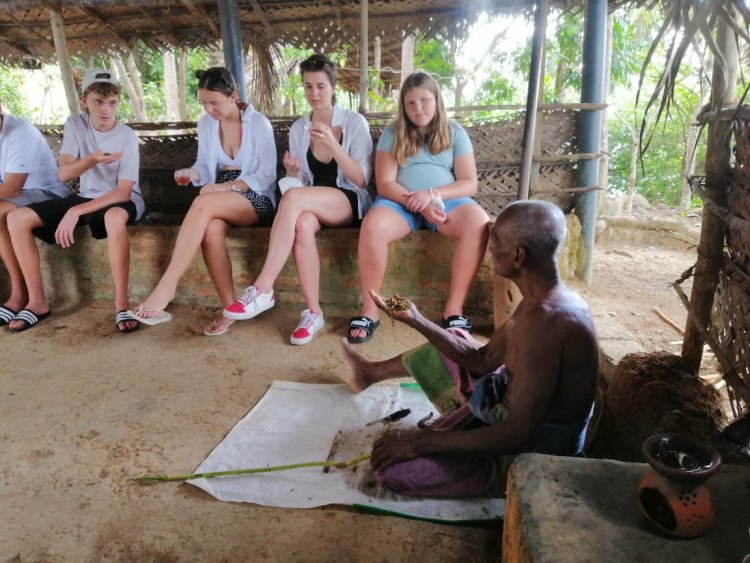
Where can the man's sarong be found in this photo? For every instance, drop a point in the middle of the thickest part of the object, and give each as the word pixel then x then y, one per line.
pixel 449 387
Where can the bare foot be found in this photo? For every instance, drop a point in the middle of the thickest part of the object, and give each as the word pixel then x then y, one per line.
pixel 218 326
pixel 360 377
pixel 157 301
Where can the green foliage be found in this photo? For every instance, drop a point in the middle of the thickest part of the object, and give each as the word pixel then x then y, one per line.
pixel 495 90
pixel 11 100
pixel 433 56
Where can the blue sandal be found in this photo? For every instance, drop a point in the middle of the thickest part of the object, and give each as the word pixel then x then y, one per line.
pixel 457 321
pixel 361 323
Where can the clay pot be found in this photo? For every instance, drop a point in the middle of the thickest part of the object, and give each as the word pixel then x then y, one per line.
pixel 673 494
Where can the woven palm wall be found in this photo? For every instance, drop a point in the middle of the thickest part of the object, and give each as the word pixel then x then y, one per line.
pixel 497 146
pixel 730 320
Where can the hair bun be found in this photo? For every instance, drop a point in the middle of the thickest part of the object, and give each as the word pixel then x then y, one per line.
pixel 199 74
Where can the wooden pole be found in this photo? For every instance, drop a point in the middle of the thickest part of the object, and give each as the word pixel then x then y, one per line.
pixel 718 176
pixel 532 98
pixel 63 60
pixel 377 62
pixel 363 55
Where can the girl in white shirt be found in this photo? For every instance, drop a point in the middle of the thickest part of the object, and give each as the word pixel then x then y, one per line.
pixel 330 153
pixel 236 167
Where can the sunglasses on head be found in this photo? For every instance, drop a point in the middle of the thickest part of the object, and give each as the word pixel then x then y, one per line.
pixel 213 75
pixel 315 64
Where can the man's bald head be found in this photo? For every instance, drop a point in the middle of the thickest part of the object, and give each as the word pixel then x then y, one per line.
pixel 537 226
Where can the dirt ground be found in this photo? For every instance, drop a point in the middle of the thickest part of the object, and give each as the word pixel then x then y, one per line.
pixel 85 409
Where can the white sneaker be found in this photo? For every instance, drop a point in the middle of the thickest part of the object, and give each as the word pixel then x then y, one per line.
pixel 309 324
pixel 250 304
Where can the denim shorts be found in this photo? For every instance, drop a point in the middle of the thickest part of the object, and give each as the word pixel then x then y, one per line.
pixel 417 221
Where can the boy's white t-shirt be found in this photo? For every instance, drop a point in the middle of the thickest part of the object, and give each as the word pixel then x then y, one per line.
pixel 23 150
pixel 80 138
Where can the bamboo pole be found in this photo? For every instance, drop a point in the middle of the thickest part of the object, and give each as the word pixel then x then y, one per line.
pixel 63 60
pixel 718 175
pixel 254 470
pixel 364 41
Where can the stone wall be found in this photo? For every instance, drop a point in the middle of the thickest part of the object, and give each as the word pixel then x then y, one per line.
pixel 418 268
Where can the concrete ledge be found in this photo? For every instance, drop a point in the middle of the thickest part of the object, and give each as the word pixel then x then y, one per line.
pixel 418 268
pixel 614 343
pixel 567 509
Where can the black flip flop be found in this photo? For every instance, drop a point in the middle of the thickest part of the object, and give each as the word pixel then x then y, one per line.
pixel 6 315
pixel 361 323
pixel 457 321
pixel 123 317
pixel 29 318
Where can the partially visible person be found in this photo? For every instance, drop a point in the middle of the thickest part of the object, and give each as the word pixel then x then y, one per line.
pixel 425 175
pixel 103 153
pixel 530 388
pixel 28 174
pixel 329 153
pixel 236 167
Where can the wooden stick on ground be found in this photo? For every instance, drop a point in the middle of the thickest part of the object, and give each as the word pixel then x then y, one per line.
pixel 669 321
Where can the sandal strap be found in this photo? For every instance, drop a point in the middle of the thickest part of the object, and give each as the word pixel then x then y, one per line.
pixel 123 317
pixel 365 323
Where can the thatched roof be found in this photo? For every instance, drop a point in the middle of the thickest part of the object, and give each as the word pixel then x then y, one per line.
pixel 109 26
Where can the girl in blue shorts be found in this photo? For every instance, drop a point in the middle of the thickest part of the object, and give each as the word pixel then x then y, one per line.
pixel 425 174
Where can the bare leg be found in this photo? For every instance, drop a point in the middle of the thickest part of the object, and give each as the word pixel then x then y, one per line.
pixel 18 295
pixel 205 208
pixel 328 205
pixel 21 222
pixel 219 267
pixel 118 251
pixel 380 227
pixel 307 260
pixel 467 224
pixel 366 373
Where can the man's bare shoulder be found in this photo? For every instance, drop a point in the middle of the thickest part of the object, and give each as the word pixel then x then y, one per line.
pixel 561 308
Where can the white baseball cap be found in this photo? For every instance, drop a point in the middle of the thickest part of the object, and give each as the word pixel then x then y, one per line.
pixel 98 75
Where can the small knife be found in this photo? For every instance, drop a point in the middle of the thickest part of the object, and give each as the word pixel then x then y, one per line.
pixel 393 417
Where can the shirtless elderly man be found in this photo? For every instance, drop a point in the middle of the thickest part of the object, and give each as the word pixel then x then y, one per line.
pixel 530 388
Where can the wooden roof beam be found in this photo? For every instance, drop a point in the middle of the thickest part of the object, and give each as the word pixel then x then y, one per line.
pixel 197 10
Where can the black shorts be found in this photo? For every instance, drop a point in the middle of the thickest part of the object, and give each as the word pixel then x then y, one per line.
pixel 354 203
pixel 52 211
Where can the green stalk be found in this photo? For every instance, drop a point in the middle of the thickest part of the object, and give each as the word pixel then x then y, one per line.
pixel 210 474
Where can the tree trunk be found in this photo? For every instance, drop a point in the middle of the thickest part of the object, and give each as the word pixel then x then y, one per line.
pixel 407 57
pixel 182 83
pixel 136 102
pixel 170 86
pixel 718 175
pixel 688 158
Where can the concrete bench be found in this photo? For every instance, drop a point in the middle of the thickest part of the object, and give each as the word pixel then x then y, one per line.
pixel 569 509
pixel 419 268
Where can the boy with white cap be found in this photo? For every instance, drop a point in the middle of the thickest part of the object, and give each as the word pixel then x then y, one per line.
pixel 104 154
pixel 28 174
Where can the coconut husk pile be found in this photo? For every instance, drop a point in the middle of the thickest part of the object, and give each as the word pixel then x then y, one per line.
pixel 652 393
